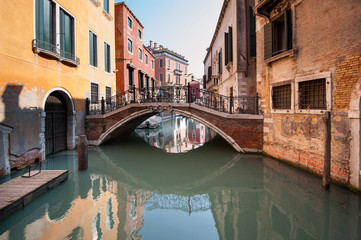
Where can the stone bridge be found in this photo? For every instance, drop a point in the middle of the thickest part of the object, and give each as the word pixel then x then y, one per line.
pixel 244 132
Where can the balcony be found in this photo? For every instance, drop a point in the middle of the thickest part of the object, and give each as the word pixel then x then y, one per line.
pixel 177 72
pixel 41 47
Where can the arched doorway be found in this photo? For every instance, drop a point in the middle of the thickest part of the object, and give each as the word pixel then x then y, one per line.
pixel 55 123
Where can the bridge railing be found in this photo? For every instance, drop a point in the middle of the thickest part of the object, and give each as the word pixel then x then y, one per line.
pixel 175 94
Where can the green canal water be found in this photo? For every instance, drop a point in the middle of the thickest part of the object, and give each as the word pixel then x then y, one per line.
pixel 134 190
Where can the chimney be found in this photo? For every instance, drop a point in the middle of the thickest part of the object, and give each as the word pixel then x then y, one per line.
pixel 161 47
pixel 155 45
pixel 151 44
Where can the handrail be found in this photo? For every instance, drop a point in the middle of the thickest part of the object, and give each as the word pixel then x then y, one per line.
pixel 175 94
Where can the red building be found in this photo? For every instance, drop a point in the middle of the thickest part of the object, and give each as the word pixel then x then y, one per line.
pixel 134 62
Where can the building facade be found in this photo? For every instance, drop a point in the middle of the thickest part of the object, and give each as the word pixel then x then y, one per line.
pixel 230 64
pixel 309 63
pixel 134 62
pixel 171 68
pixel 69 57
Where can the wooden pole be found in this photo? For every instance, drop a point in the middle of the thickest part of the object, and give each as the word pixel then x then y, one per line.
pixel 327 154
pixel 82 152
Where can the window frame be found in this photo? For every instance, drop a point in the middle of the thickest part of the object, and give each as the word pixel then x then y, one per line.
pixel 152 64
pixel 108 100
pixel 140 34
pixel 106 7
pixel 328 82
pixel 130 20
pixel 279 84
pixel 146 60
pixel 140 54
pixel 95 49
pixel 131 42
pixel 107 57
pixel 161 77
pixel 161 64
pixel 93 100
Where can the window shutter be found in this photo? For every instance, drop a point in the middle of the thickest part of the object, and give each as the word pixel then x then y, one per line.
pixel 268 41
pixel 289 29
pixel 91 49
pixel 252 32
pixel 226 47
pixel 230 44
pixel 95 42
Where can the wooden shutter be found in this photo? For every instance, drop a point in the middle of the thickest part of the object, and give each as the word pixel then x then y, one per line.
pixel 226 47
pixel 252 32
pixel 268 41
pixel 230 44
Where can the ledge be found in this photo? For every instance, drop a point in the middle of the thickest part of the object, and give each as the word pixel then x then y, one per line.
pixel 290 53
pixel 96 3
pixel 107 15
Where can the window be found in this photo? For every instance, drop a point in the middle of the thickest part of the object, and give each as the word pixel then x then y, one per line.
pixel 177 66
pixel 50 17
pixel 281 97
pixel 278 35
pixel 168 77
pixel 177 79
pixel 141 79
pixel 108 95
pixel 139 34
pixel 228 46
pixel 130 46
pixel 93 52
pixel 168 63
pixel 94 92
pixel 185 69
pixel 161 77
pixel 107 57
pixel 146 59
pixel 220 62
pixel 130 77
pixel 140 54
pixel 130 23
pixel 312 94
pixel 152 63
pixel 45 21
pixel 160 63
pixel 106 5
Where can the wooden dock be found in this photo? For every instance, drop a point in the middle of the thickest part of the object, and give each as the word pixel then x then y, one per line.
pixel 18 192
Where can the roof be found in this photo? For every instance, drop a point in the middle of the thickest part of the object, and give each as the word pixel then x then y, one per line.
pixel 220 19
pixel 130 11
pixel 166 50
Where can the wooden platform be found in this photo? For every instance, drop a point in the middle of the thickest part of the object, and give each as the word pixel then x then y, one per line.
pixel 18 192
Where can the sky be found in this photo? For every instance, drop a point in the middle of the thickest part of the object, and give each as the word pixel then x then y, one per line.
pixel 184 26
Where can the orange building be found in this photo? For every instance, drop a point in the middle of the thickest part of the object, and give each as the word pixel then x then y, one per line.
pixel 53 54
pixel 134 63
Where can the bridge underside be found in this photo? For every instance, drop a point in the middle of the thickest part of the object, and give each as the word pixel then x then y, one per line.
pixel 243 131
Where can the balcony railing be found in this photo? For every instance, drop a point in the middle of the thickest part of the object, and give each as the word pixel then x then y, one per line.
pixel 51 50
pixel 176 94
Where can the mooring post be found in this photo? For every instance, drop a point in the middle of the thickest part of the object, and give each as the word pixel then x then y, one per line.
pixel 327 153
pixel 82 152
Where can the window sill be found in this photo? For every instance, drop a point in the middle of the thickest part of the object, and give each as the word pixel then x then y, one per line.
pixel 96 68
pixel 311 111
pixel 107 15
pixel 283 111
pixel 96 3
pixel 290 53
pixel 229 66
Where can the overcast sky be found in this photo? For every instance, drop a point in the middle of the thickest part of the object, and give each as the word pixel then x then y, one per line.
pixel 185 26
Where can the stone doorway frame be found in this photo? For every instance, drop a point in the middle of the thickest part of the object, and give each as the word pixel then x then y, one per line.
pixel 71 120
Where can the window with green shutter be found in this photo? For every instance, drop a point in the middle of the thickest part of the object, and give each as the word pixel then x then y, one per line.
pixel 228 46
pixel 93 51
pixel 252 32
pixel 66 35
pixel 220 61
pixel 107 57
pixel 45 25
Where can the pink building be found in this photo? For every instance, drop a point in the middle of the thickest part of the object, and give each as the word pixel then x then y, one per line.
pixel 171 68
pixel 135 64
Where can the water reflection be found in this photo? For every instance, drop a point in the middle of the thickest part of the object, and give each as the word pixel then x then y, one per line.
pixel 177 134
pixel 133 191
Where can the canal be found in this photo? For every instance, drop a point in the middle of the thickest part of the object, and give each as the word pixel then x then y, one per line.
pixel 181 181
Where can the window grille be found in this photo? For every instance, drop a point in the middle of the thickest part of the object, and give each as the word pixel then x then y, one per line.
pixel 281 97
pixel 94 93
pixel 313 94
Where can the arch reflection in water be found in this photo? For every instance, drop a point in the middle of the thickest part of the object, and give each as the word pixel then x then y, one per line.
pixel 177 134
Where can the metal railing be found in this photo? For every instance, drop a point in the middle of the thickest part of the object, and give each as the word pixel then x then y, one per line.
pixel 175 94
pixel 52 50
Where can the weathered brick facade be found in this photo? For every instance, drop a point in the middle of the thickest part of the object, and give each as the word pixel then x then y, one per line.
pixel 323 43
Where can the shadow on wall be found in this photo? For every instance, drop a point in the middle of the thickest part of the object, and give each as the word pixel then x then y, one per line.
pixel 22 130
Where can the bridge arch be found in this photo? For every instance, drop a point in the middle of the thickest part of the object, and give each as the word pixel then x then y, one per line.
pixel 142 115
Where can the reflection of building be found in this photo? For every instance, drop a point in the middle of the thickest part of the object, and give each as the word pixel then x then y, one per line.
pixel 170 67
pixel 134 62
pixel 177 135
pixel 69 56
